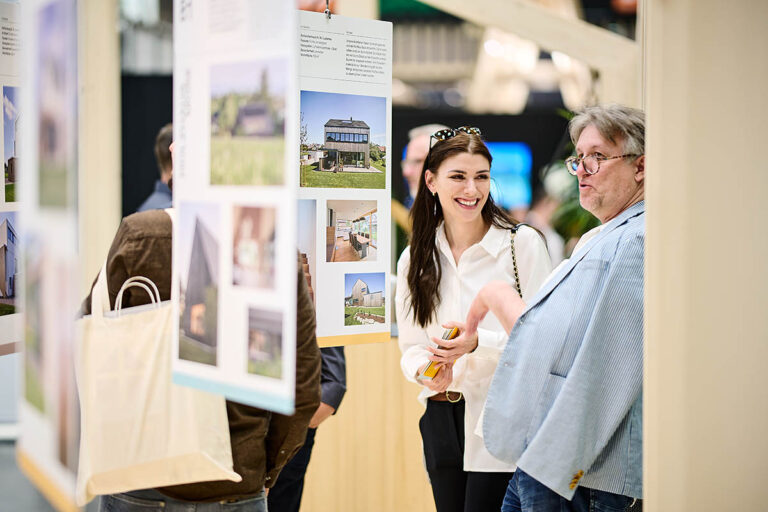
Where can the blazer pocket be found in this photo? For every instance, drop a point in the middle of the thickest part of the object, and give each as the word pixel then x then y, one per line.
pixel 590 284
pixel 547 395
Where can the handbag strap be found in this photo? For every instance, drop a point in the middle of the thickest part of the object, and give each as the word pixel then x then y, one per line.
pixel 512 234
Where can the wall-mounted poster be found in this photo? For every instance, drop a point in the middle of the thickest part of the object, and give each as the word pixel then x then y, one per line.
pixel 11 332
pixel 344 172
pixel 236 140
pixel 43 240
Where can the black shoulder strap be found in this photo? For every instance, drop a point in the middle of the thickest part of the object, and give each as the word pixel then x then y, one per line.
pixel 512 233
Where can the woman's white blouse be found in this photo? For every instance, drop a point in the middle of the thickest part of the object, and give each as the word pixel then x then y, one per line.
pixel 488 260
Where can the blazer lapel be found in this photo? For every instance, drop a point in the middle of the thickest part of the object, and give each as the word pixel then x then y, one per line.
pixel 550 285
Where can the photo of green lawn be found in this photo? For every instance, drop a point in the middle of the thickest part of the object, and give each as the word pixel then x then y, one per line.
pixel 351 314
pixel 248 123
pixel 311 177
pixel 247 160
pixel 272 369
pixel 192 350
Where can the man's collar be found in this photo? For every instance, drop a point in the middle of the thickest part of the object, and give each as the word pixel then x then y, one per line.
pixel 564 269
pixel 635 209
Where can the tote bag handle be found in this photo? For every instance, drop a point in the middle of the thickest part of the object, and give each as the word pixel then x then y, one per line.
pixel 141 282
pixel 100 294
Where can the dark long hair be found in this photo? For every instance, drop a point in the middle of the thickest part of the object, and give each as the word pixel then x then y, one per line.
pixel 425 271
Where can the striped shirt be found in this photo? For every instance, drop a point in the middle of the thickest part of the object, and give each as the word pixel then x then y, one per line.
pixel 565 403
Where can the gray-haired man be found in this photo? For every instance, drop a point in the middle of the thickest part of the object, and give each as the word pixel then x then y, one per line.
pixel 565 403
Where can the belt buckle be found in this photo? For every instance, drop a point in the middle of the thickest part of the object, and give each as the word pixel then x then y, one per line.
pixel 448 396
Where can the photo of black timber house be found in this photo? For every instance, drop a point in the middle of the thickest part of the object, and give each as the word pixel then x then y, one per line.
pixel 255 119
pixel 199 307
pixel 347 144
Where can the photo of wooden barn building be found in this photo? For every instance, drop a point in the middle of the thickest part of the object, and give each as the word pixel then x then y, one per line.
pixel 361 296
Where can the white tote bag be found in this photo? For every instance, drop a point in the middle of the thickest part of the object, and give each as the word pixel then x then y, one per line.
pixel 138 430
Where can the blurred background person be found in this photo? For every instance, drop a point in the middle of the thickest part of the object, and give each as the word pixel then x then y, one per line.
pixel 415 154
pixel 161 198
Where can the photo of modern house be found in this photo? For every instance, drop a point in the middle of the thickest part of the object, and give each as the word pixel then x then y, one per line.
pixel 10 136
pixel 255 120
pixel 343 140
pixel 199 282
pixel 248 122
pixel 253 246
pixel 9 265
pixel 265 343
pixel 351 232
pixel 364 298
pixel 347 144
pixel 306 214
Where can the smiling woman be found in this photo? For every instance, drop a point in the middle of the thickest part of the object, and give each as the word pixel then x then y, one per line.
pixel 456 169
pixel 461 240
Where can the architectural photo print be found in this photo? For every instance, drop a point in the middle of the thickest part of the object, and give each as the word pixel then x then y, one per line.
pixel 248 123
pixel 342 139
pixel 364 298
pixel 199 281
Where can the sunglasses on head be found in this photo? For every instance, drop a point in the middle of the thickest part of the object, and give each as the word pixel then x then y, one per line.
pixel 448 133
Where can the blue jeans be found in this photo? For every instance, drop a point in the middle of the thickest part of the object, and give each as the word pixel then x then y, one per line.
pixel 525 494
pixel 151 500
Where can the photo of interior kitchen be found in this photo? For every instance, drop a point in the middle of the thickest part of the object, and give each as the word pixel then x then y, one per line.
pixel 351 231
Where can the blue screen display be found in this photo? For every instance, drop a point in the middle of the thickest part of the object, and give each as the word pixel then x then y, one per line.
pixel 510 173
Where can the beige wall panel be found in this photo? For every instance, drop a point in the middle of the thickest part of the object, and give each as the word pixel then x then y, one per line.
pixel 368 9
pixel 368 456
pixel 99 156
pixel 706 393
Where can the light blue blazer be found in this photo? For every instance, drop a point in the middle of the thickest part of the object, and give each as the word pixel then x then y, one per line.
pixel 565 403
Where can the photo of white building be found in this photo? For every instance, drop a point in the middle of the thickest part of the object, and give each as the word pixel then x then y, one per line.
pixel 8 263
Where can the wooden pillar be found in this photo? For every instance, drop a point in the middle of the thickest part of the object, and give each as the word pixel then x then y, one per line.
pixel 706 384
pixel 99 156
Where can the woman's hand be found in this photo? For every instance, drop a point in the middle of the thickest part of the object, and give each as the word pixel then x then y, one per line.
pixel 441 381
pixel 453 349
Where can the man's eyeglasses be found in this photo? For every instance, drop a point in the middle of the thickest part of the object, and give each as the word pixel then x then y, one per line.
pixel 448 133
pixel 591 163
